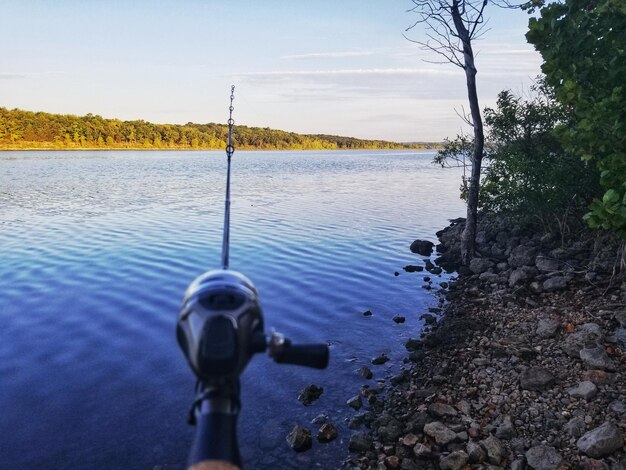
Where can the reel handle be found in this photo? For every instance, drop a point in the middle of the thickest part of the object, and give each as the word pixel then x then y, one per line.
pixel 309 355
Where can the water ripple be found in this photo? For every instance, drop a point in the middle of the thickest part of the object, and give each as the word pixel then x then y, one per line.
pixel 98 247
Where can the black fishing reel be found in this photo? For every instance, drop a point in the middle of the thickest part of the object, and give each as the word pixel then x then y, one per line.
pixel 220 326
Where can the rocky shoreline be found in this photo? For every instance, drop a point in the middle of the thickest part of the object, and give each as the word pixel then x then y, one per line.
pixel 524 369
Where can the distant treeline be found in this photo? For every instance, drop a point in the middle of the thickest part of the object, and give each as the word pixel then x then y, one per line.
pixel 37 130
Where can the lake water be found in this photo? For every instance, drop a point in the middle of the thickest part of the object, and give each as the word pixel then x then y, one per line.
pixel 96 249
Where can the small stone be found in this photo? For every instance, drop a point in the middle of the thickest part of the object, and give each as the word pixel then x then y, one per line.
pixel 440 432
pixel 409 440
pixel 593 464
pixel 575 427
pixel 597 358
pixel 536 378
pixel 365 372
pixel 320 419
pixel 327 433
pixel 413 269
pixel 602 441
pixel 554 283
pixel 355 402
pixel 475 452
pixel 543 458
pixel 464 407
pixel 441 410
pixel 392 461
pixel 396 273
pixel 586 390
pixel 359 442
pixel 399 319
pixel 421 451
pixel 309 394
pixel 380 359
pixel 453 461
pixel 299 439
pixel 480 265
pixel 367 313
pixel 547 327
pixel 494 448
pixel 506 429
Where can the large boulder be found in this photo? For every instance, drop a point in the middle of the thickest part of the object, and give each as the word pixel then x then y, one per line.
pixel 601 441
pixel 521 275
pixel 422 247
pixel 587 334
pixel 522 255
pixel 480 265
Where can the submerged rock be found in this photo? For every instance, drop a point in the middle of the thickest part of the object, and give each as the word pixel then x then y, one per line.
pixel 310 393
pixel 328 432
pixel 299 439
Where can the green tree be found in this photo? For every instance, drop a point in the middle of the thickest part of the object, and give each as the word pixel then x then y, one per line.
pixel 583 45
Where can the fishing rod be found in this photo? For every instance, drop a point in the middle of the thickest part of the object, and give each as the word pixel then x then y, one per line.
pixel 220 327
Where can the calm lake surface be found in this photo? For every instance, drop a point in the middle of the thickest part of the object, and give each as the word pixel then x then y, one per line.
pixel 97 249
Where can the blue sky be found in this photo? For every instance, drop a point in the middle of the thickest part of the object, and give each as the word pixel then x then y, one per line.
pixel 339 67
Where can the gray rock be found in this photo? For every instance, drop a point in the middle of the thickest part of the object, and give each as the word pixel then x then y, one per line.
pixel 554 283
pixel 597 358
pixel 440 432
pixel 359 442
pixel 583 335
pixel 522 255
pixel 620 317
pixel 602 441
pixel 506 429
pixel 521 274
pixel 475 452
pixel 422 247
pixel 441 410
pixel 480 265
pixel 518 464
pixel 586 390
pixel 422 451
pixel 453 461
pixel 535 287
pixel 547 264
pixel 494 449
pixel 618 407
pixel 618 336
pixel 310 393
pixel 299 439
pixel 536 378
pixel 543 458
pixel 547 328
pixel 489 278
pixel 575 427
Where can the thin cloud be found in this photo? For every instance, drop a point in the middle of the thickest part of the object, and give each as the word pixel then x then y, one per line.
pixel 328 55
pixel 358 72
pixel 11 76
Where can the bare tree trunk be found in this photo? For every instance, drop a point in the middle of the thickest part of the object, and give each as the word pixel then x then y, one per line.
pixel 468 238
